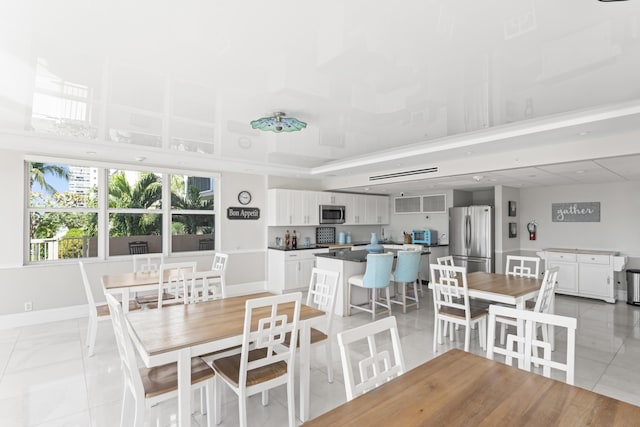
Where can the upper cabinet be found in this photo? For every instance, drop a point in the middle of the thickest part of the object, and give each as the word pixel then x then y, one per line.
pixel 433 203
pixel 298 207
pixel 292 207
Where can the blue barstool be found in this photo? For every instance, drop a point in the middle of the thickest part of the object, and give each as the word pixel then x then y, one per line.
pixel 406 273
pixel 376 276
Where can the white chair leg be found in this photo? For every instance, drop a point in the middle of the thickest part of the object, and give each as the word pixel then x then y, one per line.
pixel 349 299
pixel 415 293
pixel 91 335
pixel 328 349
pixel 125 414
pixel 503 333
pixel 373 303
pixel 217 397
pixel 140 410
pixel 435 334
pixel 242 408
pixel 209 403
pixel 291 402
pixel 265 398
pixel 467 337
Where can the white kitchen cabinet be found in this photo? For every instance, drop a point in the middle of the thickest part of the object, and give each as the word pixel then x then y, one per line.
pixel 292 207
pixel 585 273
pixel 290 270
pixel 382 209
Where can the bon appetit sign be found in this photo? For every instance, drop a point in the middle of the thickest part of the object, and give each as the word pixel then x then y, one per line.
pixel 243 213
pixel 575 212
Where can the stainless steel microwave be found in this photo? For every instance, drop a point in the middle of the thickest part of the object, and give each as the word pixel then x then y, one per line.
pixel 331 214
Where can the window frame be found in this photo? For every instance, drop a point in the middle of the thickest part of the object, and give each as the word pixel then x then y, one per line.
pixel 103 209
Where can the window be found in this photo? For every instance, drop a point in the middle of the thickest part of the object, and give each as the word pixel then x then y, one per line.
pixel 192 213
pixel 135 212
pixel 63 211
pixel 64 214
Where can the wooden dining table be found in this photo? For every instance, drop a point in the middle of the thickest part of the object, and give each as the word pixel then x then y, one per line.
pixel 464 389
pixel 140 281
pixel 507 289
pixel 178 333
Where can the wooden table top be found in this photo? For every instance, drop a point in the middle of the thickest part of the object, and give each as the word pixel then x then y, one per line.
pixel 463 389
pixel 502 284
pixel 180 326
pixel 129 280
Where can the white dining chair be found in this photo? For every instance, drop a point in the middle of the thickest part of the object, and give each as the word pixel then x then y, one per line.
pixel 323 287
pixel 522 266
pixel 97 312
pixel 530 341
pixel 542 304
pixel 376 366
pixel 451 304
pixel 200 286
pixel 264 361
pixel 220 262
pixel 171 289
pixel 146 263
pixel 150 386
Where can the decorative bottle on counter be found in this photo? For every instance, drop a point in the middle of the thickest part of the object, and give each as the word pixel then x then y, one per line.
pixel 374 247
pixel 287 239
pixel 294 240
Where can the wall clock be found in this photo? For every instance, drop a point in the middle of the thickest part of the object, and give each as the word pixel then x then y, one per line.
pixel 244 197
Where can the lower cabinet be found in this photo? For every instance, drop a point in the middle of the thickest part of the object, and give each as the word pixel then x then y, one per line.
pixel 290 270
pixel 585 273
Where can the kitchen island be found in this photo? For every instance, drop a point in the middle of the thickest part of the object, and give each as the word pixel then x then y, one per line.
pixel 349 263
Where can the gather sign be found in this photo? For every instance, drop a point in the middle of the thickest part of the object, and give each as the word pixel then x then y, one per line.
pixel 575 212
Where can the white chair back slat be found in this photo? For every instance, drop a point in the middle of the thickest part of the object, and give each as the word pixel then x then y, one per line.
pixel 170 280
pixel 87 289
pixel 522 266
pixel 202 286
pixel 270 332
pixel 450 288
pixel 547 289
pixel 531 342
pixel 377 367
pixel 147 262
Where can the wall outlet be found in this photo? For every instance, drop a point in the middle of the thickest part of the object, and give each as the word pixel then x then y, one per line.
pixel 28 306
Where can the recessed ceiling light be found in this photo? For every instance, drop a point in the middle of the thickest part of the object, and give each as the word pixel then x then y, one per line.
pixel 91 153
pixel 468 153
pixel 366 189
pixel 583 133
pixel 140 158
pixel 580 171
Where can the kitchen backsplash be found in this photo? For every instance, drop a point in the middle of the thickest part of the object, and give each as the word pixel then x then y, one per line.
pixel 359 233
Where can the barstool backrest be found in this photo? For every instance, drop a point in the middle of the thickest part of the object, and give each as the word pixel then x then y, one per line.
pixel 408 267
pixel 378 272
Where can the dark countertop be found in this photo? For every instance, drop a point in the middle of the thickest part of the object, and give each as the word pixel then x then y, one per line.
pixel 356 256
pixel 327 245
pixel 423 244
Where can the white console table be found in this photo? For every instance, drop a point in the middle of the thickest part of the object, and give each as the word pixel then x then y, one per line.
pixel 585 273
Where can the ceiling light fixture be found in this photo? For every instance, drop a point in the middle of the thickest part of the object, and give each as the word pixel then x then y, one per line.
pixel 477 178
pixel 278 123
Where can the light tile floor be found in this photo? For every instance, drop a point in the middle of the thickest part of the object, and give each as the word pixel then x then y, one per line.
pixel 46 378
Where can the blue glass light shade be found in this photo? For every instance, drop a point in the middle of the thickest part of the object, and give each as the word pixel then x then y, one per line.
pixel 278 123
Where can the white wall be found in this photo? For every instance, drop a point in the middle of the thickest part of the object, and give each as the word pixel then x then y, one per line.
pixel 432 221
pixel 618 229
pixel 59 285
pixel 503 244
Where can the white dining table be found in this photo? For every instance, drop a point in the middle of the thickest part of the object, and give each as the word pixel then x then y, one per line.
pixel 178 333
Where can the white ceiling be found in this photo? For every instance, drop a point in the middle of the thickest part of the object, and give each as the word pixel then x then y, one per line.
pixel 383 86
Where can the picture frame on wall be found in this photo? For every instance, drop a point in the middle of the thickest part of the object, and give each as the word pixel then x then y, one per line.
pixel 513 230
pixel 512 208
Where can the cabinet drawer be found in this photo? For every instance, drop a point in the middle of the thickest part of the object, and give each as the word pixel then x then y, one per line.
pixel 593 259
pixel 561 256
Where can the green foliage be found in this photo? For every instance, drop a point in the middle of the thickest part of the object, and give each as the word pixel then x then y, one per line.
pixel 40 170
pixel 146 193
pixel 71 245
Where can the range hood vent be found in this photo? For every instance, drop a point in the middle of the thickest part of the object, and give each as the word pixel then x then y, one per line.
pixel 405 173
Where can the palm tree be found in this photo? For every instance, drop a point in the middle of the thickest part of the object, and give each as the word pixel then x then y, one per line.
pixel 191 201
pixel 39 172
pixel 146 193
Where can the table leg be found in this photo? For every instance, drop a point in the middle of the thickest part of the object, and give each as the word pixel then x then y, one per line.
pixel 552 332
pixel 184 388
pixel 125 300
pixel 305 370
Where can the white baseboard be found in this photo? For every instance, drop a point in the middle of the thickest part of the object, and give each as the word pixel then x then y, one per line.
pixel 17 320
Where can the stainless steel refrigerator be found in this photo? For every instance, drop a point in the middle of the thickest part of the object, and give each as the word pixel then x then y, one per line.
pixel 471 237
